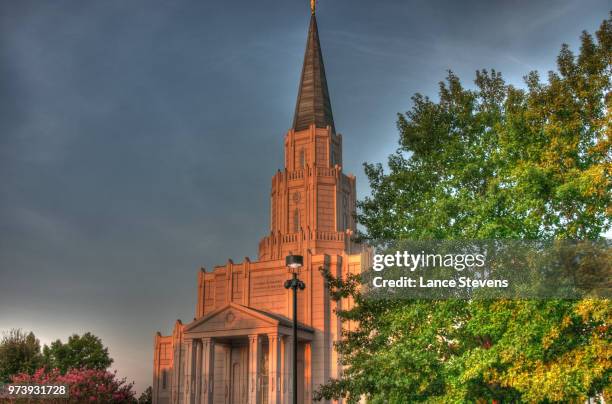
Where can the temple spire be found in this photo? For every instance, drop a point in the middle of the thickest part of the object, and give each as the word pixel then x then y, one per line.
pixel 313 103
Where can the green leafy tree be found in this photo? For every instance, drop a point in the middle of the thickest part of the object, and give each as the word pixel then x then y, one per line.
pixel 86 351
pixel 146 397
pixel 494 162
pixel 19 353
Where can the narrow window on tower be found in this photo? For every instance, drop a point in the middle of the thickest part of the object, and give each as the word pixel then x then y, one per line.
pixel 302 158
pixel 272 213
pixel 296 221
pixel 164 379
pixel 344 212
pixel 333 158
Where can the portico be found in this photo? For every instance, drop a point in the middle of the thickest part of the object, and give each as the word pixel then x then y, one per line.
pixel 242 355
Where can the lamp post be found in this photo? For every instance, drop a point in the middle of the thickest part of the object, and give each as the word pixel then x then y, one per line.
pixel 294 263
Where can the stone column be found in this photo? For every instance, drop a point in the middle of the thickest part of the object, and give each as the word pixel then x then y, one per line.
pixel 308 372
pixel 274 373
pixel 254 353
pixel 176 372
pixel 207 370
pixel 283 369
pixel 287 371
pixel 197 366
pixel 189 367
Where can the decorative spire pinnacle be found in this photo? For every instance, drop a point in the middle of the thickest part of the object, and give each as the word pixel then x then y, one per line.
pixel 313 103
pixel 313 5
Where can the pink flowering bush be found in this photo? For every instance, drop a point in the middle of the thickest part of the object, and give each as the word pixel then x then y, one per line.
pixel 84 385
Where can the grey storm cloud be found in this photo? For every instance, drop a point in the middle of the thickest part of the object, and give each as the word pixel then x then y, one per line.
pixel 138 139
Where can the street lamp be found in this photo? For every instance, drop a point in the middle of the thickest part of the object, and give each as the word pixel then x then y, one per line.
pixel 294 263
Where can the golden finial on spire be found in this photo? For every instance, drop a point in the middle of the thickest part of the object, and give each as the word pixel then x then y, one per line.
pixel 313 5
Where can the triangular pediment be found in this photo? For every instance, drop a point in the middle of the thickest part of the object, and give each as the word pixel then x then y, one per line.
pixel 232 317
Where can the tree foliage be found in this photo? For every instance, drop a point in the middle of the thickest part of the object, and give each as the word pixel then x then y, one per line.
pixel 492 162
pixel 85 351
pixel 19 353
pixel 84 385
pixel 146 397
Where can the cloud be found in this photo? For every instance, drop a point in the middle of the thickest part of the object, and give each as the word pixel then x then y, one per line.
pixel 138 139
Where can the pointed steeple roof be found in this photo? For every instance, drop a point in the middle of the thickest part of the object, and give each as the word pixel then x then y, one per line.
pixel 313 104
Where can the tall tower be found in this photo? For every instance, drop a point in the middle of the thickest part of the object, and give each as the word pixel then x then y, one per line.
pixel 238 347
pixel 312 200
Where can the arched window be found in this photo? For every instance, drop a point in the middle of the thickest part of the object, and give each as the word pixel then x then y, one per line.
pixel 302 158
pixel 296 221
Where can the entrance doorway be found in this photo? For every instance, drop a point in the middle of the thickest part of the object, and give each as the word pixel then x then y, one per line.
pixel 238 375
pixel 231 372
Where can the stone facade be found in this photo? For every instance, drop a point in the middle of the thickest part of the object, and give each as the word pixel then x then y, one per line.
pixel 238 348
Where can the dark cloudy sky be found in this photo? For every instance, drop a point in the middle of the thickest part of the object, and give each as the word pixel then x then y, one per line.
pixel 138 138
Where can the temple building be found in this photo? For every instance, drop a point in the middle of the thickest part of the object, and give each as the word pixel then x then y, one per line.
pixel 238 349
